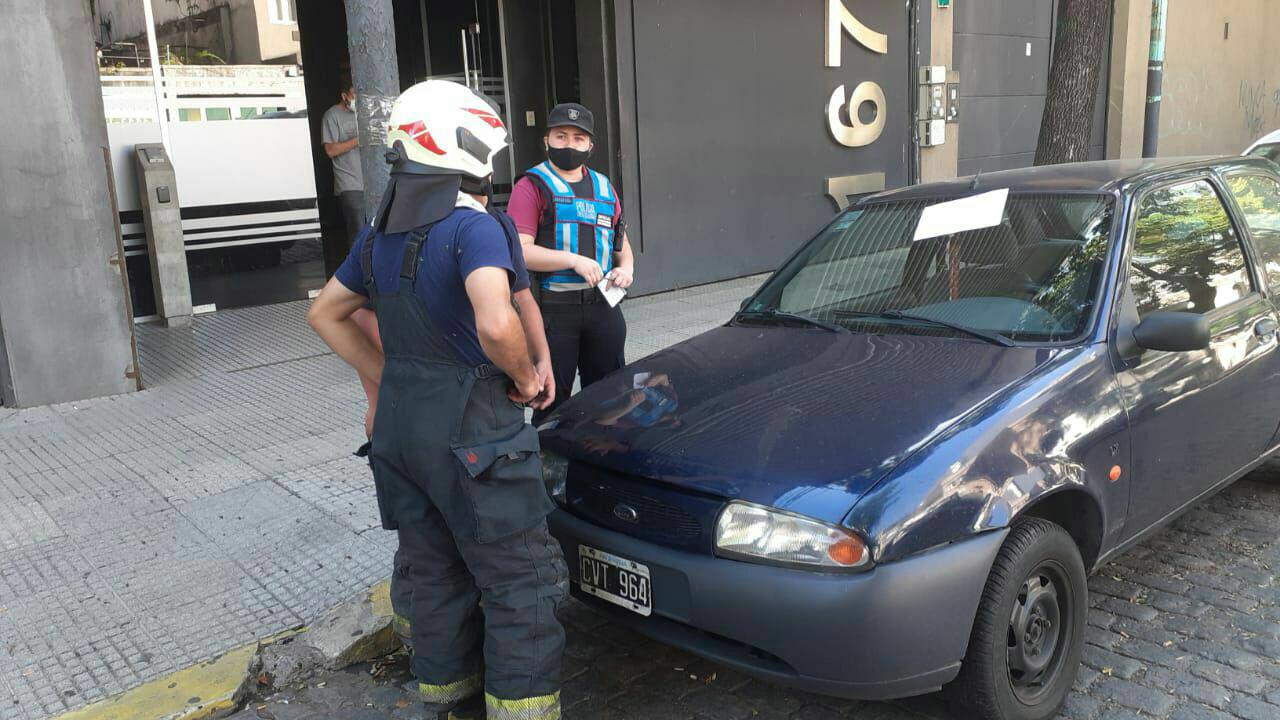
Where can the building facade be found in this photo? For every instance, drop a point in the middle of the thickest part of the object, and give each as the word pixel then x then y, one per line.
pixel 1221 92
pixel 233 32
pixel 734 130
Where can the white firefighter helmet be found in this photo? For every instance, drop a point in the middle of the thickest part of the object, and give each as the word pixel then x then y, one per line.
pixel 441 127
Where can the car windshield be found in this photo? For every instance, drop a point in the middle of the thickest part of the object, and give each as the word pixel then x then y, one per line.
pixel 1270 151
pixel 1032 277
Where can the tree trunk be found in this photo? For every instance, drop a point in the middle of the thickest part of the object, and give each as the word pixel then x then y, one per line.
pixel 1080 39
pixel 375 72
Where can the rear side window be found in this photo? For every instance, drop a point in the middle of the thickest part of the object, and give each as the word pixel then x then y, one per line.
pixel 1186 255
pixel 1259 199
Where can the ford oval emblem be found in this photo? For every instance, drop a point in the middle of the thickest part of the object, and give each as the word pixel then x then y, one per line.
pixel 626 513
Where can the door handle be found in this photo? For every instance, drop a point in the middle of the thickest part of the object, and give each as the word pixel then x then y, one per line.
pixel 1265 328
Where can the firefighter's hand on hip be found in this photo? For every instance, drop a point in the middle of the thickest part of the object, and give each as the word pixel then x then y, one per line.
pixel 621 277
pixel 589 269
pixel 548 381
pixel 524 393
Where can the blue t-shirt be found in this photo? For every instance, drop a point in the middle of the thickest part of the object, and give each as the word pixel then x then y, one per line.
pixel 463 242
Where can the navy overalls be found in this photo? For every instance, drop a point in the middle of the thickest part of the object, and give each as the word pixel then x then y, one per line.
pixel 457 474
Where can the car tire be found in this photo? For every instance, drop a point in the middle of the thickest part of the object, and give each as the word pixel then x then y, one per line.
pixel 1028 634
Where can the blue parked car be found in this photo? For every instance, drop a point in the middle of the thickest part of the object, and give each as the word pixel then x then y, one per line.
pixel 892 471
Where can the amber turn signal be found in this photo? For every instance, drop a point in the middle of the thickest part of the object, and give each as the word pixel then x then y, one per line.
pixel 847 552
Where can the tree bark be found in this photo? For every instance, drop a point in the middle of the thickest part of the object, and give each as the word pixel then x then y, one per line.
pixel 375 72
pixel 1079 41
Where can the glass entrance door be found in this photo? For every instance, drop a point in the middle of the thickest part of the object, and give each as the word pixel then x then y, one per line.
pixel 230 104
pixel 463 44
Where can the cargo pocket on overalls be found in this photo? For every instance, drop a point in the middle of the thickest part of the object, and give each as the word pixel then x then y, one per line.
pixel 390 491
pixel 504 483
pixel 385 515
pixel 386 512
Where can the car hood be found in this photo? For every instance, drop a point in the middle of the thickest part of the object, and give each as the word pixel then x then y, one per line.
pixel 795 418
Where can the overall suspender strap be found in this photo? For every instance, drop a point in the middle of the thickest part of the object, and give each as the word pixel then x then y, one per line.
pixel 366 264
pixel 411 257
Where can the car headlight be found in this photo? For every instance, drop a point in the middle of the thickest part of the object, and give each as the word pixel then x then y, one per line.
pixel 555 469
pixel 756 533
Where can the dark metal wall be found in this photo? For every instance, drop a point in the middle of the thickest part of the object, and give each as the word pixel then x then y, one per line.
pixel 722 120
pixel 525 49
pixel 1003 50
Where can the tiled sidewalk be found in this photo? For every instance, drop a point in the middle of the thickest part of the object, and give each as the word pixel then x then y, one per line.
pixel 143 533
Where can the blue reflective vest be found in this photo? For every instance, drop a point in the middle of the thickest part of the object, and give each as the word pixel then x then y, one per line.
pixel 580 225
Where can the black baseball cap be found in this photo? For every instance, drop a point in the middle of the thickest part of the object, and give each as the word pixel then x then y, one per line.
pixel 574 115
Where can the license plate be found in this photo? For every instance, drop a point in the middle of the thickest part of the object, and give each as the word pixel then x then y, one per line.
pixel 618 580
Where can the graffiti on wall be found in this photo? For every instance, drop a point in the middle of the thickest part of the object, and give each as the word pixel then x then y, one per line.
pixel 1253 101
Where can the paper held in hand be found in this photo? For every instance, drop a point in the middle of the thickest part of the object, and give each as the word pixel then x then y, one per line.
pixel 612 295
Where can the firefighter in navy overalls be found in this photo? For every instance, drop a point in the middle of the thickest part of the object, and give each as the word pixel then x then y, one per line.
pixel 455 464
pixel 570 223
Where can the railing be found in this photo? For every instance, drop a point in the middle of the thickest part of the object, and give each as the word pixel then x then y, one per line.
pixel 494 88
pixel 131 98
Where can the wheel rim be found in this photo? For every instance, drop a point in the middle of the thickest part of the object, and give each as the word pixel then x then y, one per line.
pixel 1039 632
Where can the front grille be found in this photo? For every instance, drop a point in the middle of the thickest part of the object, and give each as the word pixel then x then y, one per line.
pixel 650 513
pixel 656 520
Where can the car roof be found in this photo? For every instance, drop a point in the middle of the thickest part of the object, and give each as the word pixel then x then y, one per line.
pixel 1269 139
pixel 1101 176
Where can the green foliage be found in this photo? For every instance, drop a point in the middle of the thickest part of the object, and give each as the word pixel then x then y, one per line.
pixel 193 56
pixel 1259 198
pixel 1062 296
pixel 1182 241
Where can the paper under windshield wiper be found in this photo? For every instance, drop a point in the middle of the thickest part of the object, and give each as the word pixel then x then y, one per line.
pixel 784 315
pixel 994 338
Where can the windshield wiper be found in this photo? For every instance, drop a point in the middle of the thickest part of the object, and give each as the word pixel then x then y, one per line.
pixel 994 338
pixel 784 315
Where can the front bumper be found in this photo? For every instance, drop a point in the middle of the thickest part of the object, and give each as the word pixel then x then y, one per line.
pixel 898 630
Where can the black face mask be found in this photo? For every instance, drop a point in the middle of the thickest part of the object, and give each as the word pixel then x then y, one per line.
pixel 568 159
pixel 474 186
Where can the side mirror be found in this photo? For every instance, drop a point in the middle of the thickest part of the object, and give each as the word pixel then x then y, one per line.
pixel 1173 332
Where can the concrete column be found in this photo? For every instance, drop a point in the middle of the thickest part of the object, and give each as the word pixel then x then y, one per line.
pixel 941 162
pixel 166 247
pixel 375 71
pixel 1127 91
pixel 66 331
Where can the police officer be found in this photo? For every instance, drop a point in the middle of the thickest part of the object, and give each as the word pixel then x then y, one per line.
pixel 570 223
pixel 455 465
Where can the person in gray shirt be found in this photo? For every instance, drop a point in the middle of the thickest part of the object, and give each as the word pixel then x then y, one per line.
pixel 341 138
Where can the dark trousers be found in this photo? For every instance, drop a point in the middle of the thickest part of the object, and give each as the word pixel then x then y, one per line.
pixel 514 638
pixel 352 213
pixel 590 339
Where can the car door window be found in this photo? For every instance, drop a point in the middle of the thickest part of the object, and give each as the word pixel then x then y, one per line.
pixel 1259 199
pixel 1186 255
